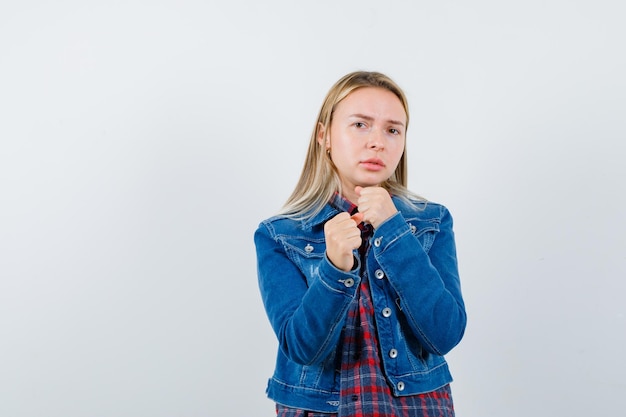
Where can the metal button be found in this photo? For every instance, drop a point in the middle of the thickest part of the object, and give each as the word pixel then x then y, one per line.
pixel 377 241
pixel 308 248
pixel 393 353
pixel 400 386
pixel 379 274
pixel 349 282
pixel 413 228
pixel 386 312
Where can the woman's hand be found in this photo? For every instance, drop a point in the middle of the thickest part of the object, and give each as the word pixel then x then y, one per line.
pixel 342 237
pixel 375 205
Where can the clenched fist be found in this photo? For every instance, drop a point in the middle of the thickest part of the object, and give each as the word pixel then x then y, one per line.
pixel 342 237
pixel 375 205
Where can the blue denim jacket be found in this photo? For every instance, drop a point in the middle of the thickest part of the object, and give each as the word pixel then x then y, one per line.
pixel 412 268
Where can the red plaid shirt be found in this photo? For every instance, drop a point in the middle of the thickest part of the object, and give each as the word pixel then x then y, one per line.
pixel 364 390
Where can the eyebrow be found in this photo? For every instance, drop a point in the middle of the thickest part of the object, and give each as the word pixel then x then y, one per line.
pixel 369 118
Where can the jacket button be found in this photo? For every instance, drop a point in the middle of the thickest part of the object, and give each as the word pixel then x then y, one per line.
pixel 413 228
pixel 377 241
pixel 379 274
pixel 308 248
pixel 393 353
pixel 349 282
pixel 386 312
pixel 400 386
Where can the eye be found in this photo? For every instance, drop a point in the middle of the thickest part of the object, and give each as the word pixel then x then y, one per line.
pixel 359 125
pixel 394 131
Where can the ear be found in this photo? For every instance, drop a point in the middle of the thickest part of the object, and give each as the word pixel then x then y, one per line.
pixel 321 137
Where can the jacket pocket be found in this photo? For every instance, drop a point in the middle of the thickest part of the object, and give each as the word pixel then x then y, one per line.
pixel 306 253
pixel 424 230
pixel 418 360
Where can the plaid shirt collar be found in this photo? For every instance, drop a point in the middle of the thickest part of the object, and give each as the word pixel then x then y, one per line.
pixel 337 204
pixel 340 203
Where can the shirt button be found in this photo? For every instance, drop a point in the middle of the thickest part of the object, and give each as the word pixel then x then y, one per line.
pixel 393 353
pixel 379 274
pixel 349 282
pixel 386 312
pixel 400 386
pixel 377 241
pixel 355 398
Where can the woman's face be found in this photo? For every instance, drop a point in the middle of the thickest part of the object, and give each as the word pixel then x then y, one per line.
pixel 366 137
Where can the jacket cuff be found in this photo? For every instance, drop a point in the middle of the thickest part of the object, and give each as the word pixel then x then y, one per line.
pixel 390 230
pixel 338 280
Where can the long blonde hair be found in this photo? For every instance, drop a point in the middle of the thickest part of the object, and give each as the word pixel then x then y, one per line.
pixel 319 178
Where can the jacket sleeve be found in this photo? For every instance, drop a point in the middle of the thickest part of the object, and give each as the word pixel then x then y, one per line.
pixel 306 313
pixel 427 283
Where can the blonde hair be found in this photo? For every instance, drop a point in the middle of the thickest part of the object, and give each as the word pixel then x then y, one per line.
pixel 319 179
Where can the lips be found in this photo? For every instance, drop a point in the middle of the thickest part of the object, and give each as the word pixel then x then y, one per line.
pixel 373 164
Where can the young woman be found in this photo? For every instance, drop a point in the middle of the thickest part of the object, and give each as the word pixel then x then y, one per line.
pixel 358 275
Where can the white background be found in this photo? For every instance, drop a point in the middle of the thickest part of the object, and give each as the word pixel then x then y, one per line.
pixel 143 141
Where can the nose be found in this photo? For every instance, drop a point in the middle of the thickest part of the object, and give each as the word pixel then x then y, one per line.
pixel 376 140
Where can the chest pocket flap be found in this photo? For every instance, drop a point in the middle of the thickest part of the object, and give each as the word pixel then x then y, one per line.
pixel 306 253
pixel 424 230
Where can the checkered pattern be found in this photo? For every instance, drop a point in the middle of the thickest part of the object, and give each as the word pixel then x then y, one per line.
pixel 364 389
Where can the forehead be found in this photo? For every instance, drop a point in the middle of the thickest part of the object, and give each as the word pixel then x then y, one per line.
pixel 374 102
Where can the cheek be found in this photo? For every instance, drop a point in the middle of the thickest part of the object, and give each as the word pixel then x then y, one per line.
pixel 345 145
pixel 398 150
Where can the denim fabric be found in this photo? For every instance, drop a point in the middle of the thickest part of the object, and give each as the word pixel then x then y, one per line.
pixel 413 271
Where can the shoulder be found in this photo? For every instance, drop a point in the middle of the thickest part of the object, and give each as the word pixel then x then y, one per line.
pixel 289 224
pixel 421 209
pixel 277 225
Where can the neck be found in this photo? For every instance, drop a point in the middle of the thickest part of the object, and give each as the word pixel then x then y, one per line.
pixel 351 196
